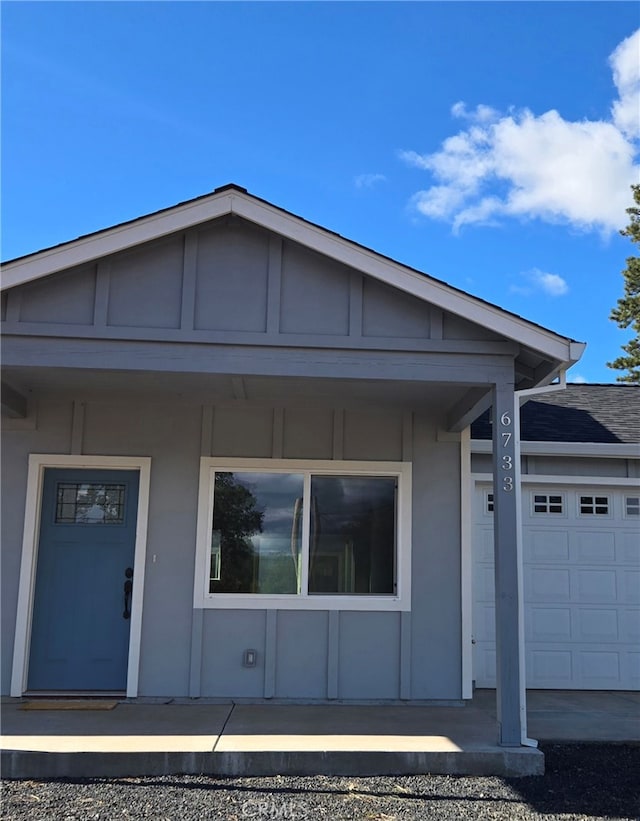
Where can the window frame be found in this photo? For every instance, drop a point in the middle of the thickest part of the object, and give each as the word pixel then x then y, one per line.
pixel 398 601
pixel 627 507
pixel 594 495
pixel 489 502
pixel 548 494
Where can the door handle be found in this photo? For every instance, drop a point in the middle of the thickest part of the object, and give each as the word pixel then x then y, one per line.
pixel 128 587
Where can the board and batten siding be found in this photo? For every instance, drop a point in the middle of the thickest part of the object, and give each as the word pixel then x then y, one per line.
pixel 301 654
pixel 230 281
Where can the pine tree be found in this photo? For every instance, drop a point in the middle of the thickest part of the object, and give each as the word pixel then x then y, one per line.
pixel 627 311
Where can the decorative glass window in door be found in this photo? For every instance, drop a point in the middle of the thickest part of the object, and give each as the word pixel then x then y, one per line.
pixel 90 503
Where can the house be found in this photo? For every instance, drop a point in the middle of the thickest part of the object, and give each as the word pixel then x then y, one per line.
pixel 581 539
pixel 236 464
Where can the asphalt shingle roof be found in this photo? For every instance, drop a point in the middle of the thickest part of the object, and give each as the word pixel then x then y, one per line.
pixel 581 413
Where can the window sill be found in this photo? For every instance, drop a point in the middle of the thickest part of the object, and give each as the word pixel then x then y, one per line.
pixel 251 601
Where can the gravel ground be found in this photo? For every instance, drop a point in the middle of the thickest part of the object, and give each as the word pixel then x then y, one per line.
pixel 581 782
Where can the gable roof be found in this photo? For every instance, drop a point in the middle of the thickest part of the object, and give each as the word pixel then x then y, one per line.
pixel 559 352
pixel 580 413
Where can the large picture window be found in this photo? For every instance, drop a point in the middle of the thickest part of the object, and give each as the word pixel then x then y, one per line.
pixel 297 534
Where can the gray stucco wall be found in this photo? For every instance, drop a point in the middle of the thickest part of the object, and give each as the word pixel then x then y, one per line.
pixel 301 654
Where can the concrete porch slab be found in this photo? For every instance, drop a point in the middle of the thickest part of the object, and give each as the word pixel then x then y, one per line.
pixel 139 738
pixel 576 715
pixel 258 739
pixel 130 728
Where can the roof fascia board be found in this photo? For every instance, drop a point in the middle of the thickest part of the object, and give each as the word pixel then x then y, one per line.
pixel 112 240
pixel 398 276
pixel 615 450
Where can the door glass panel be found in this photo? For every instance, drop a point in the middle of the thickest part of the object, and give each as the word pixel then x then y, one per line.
pixel 91 503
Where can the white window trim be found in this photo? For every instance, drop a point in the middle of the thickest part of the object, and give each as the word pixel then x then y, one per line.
pixel 37 464
pixel 401 600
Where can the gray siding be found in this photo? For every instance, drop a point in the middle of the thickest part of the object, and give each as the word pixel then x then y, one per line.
pixel 243 432
pixel 315 293
pixel 52 436
pixel 454 327
pixel 567 466
pixel 388 312
pixel 563 466
pixel 303 673
pixel 226 634
pixel 232 279
pixel 301 654
pixel 145 286
pixel 67 298
pixel 436 612
pixel 229 277
pixel 297 442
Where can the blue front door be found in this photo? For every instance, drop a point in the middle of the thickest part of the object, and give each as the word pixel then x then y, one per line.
pixel 84 580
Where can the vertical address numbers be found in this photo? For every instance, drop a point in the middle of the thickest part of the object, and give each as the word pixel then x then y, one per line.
pixel 507 460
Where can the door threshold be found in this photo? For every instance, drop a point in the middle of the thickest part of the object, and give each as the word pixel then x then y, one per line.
pixel 75 694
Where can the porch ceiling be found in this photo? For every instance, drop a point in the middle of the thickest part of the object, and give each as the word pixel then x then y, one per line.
pixel 84 385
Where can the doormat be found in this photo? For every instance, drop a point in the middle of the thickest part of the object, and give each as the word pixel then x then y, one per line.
pixel 68 704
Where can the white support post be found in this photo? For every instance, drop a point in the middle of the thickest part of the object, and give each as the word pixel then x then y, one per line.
pixel 510 680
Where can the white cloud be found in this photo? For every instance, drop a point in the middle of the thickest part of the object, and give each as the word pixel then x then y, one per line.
pixel 368 180
pixel 625 62
pixel 537 280
pixel 538 166
pixel 551 284
pixel 578 380
pixel 481 113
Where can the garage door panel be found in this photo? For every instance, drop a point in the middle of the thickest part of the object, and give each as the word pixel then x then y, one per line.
pixel 546 666
pixel 547 584
pixel 485 626
pixel 546 546
pixel 485 583
pixel 629 547
pixel 548 624
pixel 594 548
pixel 599 668
pixel 485 553
pixel 596 625
pixel 631 585
pixel 487 671
pixel 630 626
pixel 581 580
pixel 595 586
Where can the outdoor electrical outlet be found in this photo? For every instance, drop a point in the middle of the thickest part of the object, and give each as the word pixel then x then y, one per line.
pixel 249 659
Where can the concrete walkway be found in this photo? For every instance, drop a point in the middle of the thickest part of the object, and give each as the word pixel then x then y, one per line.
pixel 334 739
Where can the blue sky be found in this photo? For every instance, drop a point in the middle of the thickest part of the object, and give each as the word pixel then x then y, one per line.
pixel 491 145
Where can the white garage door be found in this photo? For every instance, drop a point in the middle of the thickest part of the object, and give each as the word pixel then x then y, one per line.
pixel 581 552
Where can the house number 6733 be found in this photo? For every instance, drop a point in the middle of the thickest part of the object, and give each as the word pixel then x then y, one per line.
pixel 507 461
